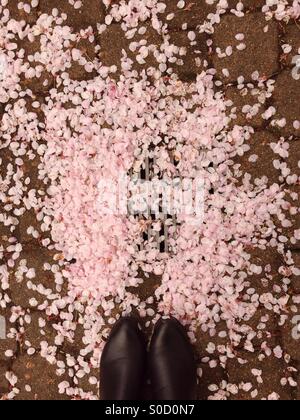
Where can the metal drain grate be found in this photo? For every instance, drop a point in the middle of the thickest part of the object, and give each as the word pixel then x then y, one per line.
pixel 159 239
pixel 173 199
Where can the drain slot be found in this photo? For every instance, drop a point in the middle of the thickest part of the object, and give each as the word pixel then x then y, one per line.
pixel 151 217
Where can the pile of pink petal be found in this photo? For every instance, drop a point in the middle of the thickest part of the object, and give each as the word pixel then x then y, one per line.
pixel 207 264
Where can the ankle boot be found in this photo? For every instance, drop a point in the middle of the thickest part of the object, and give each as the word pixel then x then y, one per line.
pixel 123 362
pixel 172 366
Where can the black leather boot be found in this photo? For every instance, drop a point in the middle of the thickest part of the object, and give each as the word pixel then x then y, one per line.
pixel 172 366
pixel 123 362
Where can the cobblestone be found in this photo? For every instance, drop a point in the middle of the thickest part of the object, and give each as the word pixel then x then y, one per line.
pixel 32 384
pixel 286 102
pixel 243 102
pixel 258 161
pixel 272 371
pixel 291 334
pixel 291 39
pixel 261 53
pixel 91 12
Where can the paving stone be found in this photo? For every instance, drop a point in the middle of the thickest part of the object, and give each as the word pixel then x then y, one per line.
pixel 29 47
pixel 248 4
pixel 297 393
pixel 22 296
pixel 265 325
pixel 262 48
pixel 27 220
pixel 39 329
pixel 190 59
pixel 292 38
pixel 38 85
pixel 9 223
pixel 291 335
pixel 147 288
pixel 114 35
pixel 40 376
pixel 85 384
pixel 113 41
pixel 294 158
pixel 270 261
pixel 43 83
pixel 293 215
pixel 195 13
pixel 6 158
pixel 10 342
pixel 73 347
pixel 273 370
pixel 91 13
pixel 240 111
pixel 209 376
pixel 20 293
pixel 204 339
pixel 77 70
pixel 35 105
pixel 27 50
pixel 4 385
pixel 295 278
pixel 286 101
pixel 258 161
pixel 6 232
pixel 20 14
pixel 31 171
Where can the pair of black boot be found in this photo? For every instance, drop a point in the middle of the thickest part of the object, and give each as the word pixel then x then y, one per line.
pixel 170 363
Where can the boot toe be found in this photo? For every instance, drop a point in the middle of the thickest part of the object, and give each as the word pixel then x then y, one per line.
pixel 124 337
pixel 172 363
pixel 123 362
